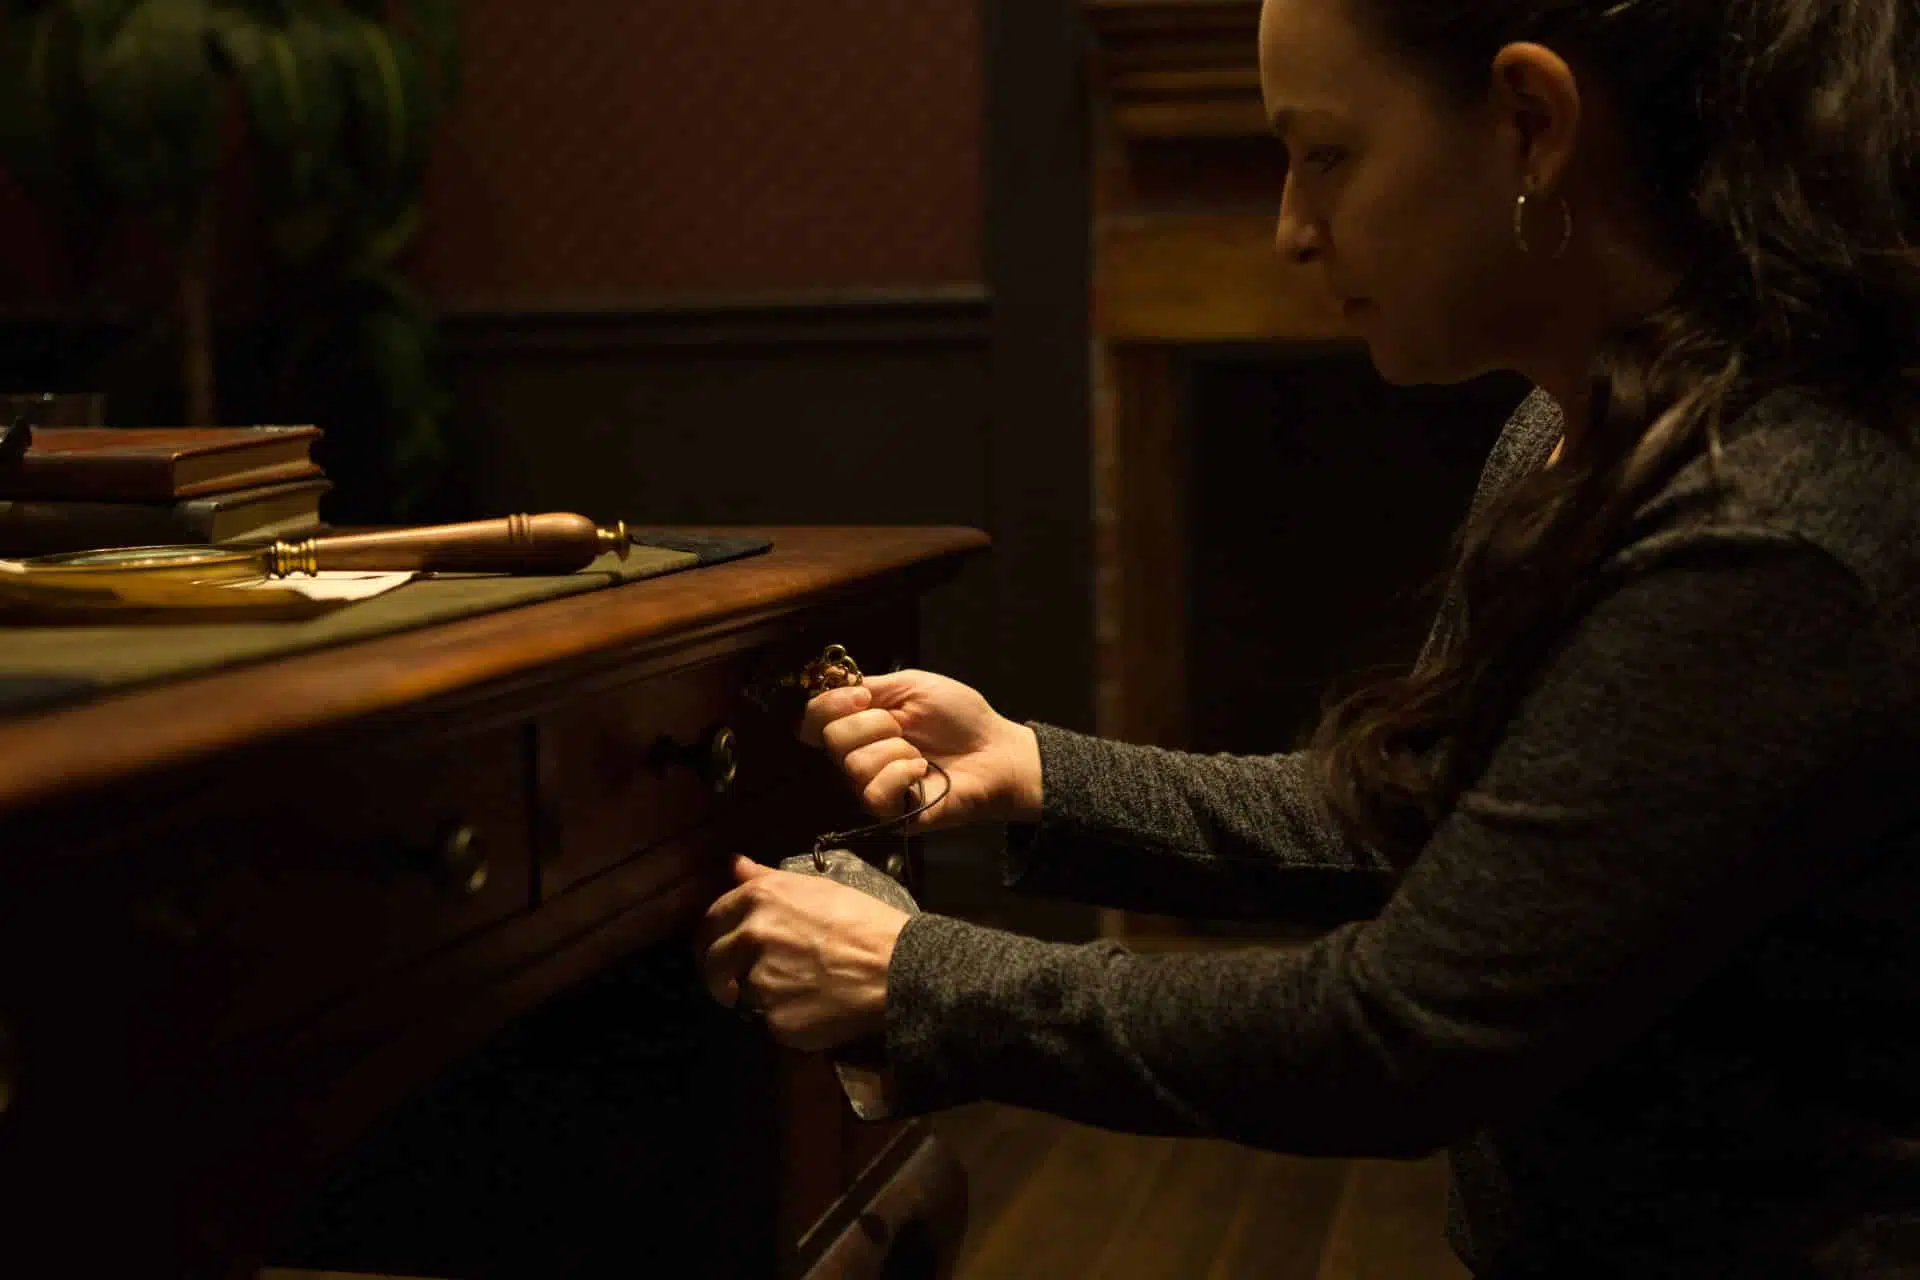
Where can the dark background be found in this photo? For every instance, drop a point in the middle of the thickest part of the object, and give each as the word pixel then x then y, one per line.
pixel 829 264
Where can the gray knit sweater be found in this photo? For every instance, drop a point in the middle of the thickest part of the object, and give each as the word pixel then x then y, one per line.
pixel 1654 983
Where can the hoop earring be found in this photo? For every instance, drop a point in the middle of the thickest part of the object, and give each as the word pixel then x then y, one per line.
pixel 1520 225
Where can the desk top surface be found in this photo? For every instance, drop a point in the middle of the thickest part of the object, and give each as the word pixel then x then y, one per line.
pixel 70 749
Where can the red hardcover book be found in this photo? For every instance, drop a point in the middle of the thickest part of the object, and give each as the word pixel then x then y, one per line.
pixel 156 464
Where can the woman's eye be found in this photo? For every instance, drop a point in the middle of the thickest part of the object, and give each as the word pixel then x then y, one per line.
pixel 1325 158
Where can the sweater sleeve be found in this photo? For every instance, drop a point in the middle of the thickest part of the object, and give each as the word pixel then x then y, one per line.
pixel 1217 836
pixel 1691 760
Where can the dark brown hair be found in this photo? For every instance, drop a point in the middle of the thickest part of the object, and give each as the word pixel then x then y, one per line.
pixel 1776 145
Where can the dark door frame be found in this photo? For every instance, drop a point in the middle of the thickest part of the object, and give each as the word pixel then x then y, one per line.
pixel 1038 268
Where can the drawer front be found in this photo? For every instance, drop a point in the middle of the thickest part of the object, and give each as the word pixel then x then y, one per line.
pixel 241 919
pixel 650 1113
pixel 624 768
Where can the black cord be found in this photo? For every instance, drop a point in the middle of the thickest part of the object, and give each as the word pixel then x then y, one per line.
pixel 836 838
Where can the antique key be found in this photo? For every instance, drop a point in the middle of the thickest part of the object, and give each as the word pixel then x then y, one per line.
pixel 833 669
pixel 836 669
pixel 784 696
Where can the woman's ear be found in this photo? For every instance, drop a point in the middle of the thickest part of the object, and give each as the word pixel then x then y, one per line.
pixel 1535 100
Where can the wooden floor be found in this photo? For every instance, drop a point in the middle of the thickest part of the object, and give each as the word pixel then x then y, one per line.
pixel 1053 1199
pixel 1059 1201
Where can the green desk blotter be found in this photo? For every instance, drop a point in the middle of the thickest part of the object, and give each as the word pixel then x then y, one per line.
pixel 105 656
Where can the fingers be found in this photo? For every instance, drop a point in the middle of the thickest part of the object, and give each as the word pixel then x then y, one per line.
pixel 834 704
pixel 725 963
pixel 882 691
pixel 726 914
pixel 850 733
pixel 886 795
pixel 745 869
pixel 891 688
pixel 864 765
pixel 721 944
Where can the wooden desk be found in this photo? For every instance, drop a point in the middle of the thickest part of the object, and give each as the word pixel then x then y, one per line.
pixel 258 1004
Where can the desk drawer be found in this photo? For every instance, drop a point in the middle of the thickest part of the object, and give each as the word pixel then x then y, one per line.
pixel 649 1113
pixel 626 767
pixel 245 919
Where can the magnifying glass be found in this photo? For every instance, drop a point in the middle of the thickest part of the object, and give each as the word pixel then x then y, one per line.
pixel 555 542
pixel 198 565
pixel 176 578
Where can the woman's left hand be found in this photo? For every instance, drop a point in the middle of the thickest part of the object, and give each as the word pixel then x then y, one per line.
pixel 808 953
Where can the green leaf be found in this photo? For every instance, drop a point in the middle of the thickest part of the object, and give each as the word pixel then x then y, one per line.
pixel 383 247
pixel 301 230
pixel 370 155
pixel 436 25
pixel 47 118
pixel 155 95
pixel 398 339
pixel 38 89
pixel 291 104
pixel 100 20
pixel 400 96
pixel 389 102
pixel 432 27
pixel 119 106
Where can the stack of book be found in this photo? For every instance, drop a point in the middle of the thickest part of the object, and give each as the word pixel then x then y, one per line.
pixel 82 488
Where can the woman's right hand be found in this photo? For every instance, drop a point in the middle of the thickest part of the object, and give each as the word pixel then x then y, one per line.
pixel 883 731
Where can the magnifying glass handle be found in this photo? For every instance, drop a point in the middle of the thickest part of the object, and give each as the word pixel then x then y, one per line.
pixel 557 542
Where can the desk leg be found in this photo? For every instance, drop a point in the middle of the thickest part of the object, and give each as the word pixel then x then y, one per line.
pixel 911 1227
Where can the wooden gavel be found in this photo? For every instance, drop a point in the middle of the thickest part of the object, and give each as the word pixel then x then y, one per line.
pixel 556 542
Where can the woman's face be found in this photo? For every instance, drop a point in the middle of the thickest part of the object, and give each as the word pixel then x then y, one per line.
pixel 1401 200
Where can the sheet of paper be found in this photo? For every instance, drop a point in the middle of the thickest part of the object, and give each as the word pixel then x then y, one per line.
pixel 338 586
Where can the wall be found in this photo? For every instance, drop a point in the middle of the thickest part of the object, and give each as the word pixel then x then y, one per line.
pixel 607 153
pixel 611 153
pixel 707 261
pixel 718 262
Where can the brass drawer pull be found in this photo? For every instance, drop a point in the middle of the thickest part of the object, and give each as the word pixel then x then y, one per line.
pixel 723 760
pixel 715 758
pixel 459 861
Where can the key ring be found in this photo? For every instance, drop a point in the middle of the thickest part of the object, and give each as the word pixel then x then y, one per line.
pixel 836 669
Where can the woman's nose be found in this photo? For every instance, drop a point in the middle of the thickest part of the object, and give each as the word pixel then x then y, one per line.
pixel 1297 238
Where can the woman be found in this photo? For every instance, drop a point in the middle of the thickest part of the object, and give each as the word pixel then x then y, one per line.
pixel 1641 816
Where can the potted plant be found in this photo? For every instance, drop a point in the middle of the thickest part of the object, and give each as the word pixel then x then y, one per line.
pixel 158 118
